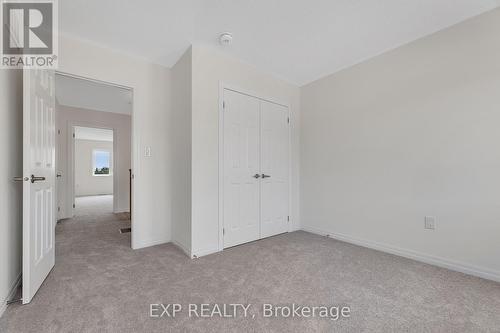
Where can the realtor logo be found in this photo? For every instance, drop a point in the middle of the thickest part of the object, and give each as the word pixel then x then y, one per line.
pixel 29 34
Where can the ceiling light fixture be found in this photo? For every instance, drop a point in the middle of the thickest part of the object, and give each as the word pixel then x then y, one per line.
pixel 226 39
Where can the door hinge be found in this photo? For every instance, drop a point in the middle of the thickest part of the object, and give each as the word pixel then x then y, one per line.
pixel 73 205
pixel 58 131
pixel 73 135
pixel 288 120
pixel 223 104
pixel 58 209
pixel 288 218
pixel 223 231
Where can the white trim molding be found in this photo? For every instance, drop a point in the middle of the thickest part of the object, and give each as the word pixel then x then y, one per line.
pixel 202 253
pixel 410 254
pixel 148 243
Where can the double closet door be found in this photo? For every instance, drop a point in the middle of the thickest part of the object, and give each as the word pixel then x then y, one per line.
pixel 255 169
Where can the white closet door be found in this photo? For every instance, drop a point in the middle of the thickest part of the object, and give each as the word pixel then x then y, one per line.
pixel 275 169
pixel 241 168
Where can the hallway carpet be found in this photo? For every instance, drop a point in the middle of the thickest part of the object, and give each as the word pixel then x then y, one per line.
pixel 99 284
pixel 93 205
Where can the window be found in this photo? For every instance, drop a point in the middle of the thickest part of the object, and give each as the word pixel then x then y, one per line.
pixel 102 163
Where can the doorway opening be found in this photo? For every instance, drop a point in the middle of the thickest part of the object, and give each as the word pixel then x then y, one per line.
pixel 94 153
pixel 93 176
pixel 59 110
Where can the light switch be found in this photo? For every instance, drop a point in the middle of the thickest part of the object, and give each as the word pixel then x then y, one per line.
pixel 147 152
pixel 430 222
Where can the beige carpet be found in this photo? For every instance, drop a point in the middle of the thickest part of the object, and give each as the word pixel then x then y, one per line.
pixel 100 285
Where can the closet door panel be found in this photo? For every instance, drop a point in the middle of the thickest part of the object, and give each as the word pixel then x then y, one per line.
pixel 241 206
pixel 275 169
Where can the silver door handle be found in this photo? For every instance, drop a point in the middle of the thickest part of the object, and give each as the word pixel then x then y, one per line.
pixel 36 179
pixel 257 176
pixel 265 176
pixel 21 179
pixel 58 175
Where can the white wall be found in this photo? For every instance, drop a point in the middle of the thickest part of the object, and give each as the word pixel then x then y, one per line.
pixel 66 118
pixel 180 135
pixel 11 165
pixel 209 69
pixel 151 220
pixel 411 133
pixel 154 123
pixel 86 183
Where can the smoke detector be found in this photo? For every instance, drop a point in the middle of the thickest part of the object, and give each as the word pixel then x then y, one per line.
pixel 226 39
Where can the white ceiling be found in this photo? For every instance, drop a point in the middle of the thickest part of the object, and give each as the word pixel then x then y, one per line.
pixel 297 40
pixel 95 134
pixel 79 93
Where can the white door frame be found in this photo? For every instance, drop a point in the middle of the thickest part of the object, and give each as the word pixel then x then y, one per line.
pixel 223 86
pixel 134 142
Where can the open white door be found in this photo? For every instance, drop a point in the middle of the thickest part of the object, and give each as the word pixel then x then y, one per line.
pixel 39 209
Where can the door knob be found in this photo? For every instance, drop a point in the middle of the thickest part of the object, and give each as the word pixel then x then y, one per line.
pixel 257 176
pixel 58 175
pixel 36 179
pixel 265 176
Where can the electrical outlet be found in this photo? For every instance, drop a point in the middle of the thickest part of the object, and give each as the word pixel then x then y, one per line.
pixel 430 222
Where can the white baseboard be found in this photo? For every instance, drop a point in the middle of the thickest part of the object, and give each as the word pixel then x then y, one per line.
pixel 206 252
pixel 11 295
pixel 143 245
pixel 410 254
pixel 182 247
pixel 202 253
